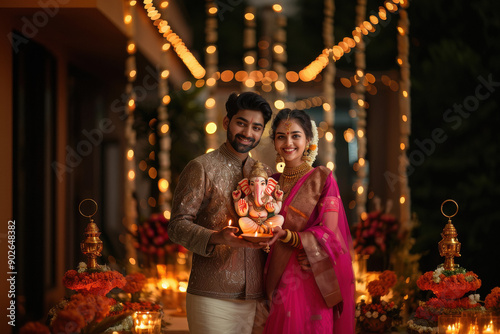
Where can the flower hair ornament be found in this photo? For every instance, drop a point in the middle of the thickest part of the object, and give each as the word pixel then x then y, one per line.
pixel 312 151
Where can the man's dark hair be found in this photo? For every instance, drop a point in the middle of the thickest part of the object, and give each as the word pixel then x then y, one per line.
pixel 248 101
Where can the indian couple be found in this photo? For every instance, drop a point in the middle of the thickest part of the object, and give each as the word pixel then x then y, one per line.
pixel 305 283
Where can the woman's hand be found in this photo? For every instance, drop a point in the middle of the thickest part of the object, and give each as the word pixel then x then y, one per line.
pixel 303 261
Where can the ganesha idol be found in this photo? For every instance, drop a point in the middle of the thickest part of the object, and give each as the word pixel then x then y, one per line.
pixel 258 208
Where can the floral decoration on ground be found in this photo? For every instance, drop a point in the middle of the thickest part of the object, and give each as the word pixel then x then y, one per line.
pixel 89 310
pixel 449 286
pixel 379 315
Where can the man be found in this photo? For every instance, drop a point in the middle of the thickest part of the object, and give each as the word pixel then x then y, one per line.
pixel 226 275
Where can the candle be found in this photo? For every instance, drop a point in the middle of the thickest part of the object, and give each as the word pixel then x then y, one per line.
pixel 451 329
pixel 147 322
pixel 255 234
pixel 229 222
pixel 488 328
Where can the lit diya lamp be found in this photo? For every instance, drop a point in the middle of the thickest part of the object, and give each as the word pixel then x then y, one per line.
pixel 257 237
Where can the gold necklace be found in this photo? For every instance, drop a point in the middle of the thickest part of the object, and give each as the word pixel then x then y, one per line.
pixel 291 175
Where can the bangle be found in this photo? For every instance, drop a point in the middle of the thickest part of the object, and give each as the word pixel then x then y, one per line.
pixel 287 237
pixel 292 238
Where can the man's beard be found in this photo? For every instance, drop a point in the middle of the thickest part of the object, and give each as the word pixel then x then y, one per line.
pixel 238 147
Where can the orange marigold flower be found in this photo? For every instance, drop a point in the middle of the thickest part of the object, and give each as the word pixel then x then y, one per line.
pixel 377 288
pixel 493 299
pixel 68 321
pixel 135 282
pixel 389 278
pixel 34 327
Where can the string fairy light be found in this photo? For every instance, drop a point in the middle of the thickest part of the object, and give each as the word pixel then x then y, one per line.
pixel 249 53
pixel 404 107
pixel 163 131
pixel 178 45
pixel 328 86
pixel 360 108
pixel 280 56
pixel 129 219
pixel 211 60
pixel 347 44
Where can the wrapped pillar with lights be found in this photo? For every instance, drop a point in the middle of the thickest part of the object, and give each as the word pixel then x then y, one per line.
pixel 405 112
pixel 280 56
pixel 249 45
pixel 130 166
pixel 164 172
pixel 211 60
pixel 360 108
pixel 329 88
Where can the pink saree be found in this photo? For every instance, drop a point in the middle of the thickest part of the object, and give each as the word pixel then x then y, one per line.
pixel 320 300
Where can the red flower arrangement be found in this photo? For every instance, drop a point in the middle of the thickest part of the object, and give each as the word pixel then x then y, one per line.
pixel 135 282
pixel 34 327
pixel 492 300
pixel 152 237
pixel 94 283
pixel 80 311
pixel 377 232
pixel 449 285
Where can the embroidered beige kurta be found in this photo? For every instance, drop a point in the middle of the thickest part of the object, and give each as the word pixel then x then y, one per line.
pixel 202 205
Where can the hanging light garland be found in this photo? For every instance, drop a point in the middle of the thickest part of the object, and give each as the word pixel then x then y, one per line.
pixel 250 53
pixel 404 107
pixel 163 131
pixel 280 57
pixel 130 136
pixel 360 167
pixel 211 59
pixel 348 43
pixel 179 47
pixel 329 88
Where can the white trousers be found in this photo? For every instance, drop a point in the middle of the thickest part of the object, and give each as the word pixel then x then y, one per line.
pixel 207 315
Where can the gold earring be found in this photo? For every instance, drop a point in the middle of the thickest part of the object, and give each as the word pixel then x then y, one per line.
pixel 305 156
pixel 279 158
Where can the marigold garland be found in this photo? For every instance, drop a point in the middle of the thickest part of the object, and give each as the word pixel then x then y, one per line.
pixel 95 283
pixel 449 287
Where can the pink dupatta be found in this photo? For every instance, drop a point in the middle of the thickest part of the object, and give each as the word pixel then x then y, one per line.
pixel 328 249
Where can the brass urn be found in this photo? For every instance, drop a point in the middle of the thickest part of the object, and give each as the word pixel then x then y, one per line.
pixel 92 246
pixel 449 246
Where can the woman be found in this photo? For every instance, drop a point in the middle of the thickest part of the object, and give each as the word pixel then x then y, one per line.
pixel 318 296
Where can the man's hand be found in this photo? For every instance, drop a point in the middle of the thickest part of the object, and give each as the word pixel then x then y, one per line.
pixel 227 236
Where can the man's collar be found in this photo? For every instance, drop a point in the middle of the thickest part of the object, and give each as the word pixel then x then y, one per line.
pixel 230 154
